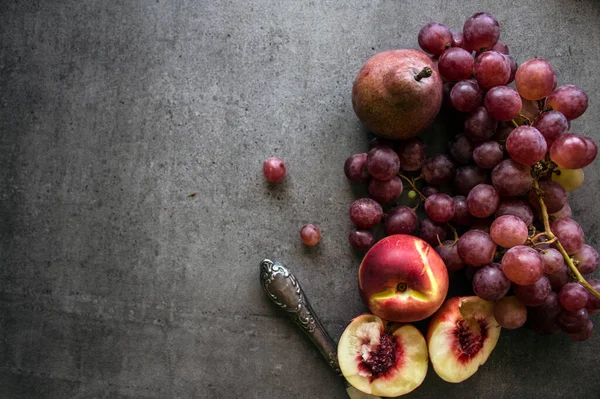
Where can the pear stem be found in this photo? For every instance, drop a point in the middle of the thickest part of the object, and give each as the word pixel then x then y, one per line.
pixel 425 73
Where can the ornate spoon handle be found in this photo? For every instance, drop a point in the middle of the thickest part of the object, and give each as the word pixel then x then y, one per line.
pixel 285 291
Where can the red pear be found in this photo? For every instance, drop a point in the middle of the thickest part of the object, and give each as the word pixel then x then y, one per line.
pixel 397 93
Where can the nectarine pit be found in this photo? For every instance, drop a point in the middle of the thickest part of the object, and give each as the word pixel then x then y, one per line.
pixel 470 343
pixel 382 359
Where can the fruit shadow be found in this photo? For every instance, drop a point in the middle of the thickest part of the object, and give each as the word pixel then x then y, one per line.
pixel 278 191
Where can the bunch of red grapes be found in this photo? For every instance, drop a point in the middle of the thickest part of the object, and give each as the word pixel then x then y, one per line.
pixel 496 205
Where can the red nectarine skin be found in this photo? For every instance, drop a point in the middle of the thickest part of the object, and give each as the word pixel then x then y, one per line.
pixel 403 279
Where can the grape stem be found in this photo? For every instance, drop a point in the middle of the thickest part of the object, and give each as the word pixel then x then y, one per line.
pixel 515 123
pixel 529 122
pixel 413 186
pixel 556 241
pixel 545 242
pixel 455 237
pixel 537 236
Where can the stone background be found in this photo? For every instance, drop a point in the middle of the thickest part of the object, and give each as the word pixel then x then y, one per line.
pixel 115 284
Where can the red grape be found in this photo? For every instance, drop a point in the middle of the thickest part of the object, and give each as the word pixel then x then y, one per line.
pixel 449 254
pixel 569 233
pixel 310 234
pixel 461 211
pixel 551 125
pixel 434 38
pixel 526 145
pixel 592 151
pixel 457 40
pixel 384 191
pixel 481 32
pixel 466 96
pixel 534 294
pixel 543 317
pixel 570 151
pixel 565 212
pixel 400 220
pixel 355 167
pixel 490 283
pixel 461 149
pixel 467 177
pixel 511 178
pixel 274 169
pixel 559 278
pixel 570 100
pixel 535 79
pixel 488 154
pixel 593 302
pixel 446 100
pixel 361 239
pixel 573 322
pixel 439 207
pixel 438 169
pixel 522 265
pixel 430 231
pixel 476 248
pixel 509 231
pixel 513 68
pixel 479 126
pixel 553 194
pixel 502 133
pixel 491 69
pixel 517 207
pixel 456 64
pixel 383 163
pixel 482 201
pixel 365 213
pixel 503 103
pixel 411 153
pixel 551 307
pixel 587 259
pixel 584 334
pixel 500 47
pixel 553 260
pixel 510 313
pixel 429 190
pixel 573 297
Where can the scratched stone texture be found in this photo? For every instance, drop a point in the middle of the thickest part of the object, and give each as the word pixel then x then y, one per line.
pixel 115 283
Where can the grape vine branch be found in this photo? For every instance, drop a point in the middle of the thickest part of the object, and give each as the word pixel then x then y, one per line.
pixel 551 237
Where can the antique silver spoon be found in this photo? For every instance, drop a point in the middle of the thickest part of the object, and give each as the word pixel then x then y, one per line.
pixel 283 288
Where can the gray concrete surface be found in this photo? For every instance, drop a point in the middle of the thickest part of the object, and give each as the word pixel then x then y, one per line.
pixel 115 284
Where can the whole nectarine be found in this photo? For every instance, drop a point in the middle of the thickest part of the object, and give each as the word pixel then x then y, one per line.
pixel 403 279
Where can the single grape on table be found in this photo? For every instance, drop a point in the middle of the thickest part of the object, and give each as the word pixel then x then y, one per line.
pixel 310 234
pixel 274 169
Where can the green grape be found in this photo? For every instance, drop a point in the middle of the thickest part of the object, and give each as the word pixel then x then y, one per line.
pixel 569 179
